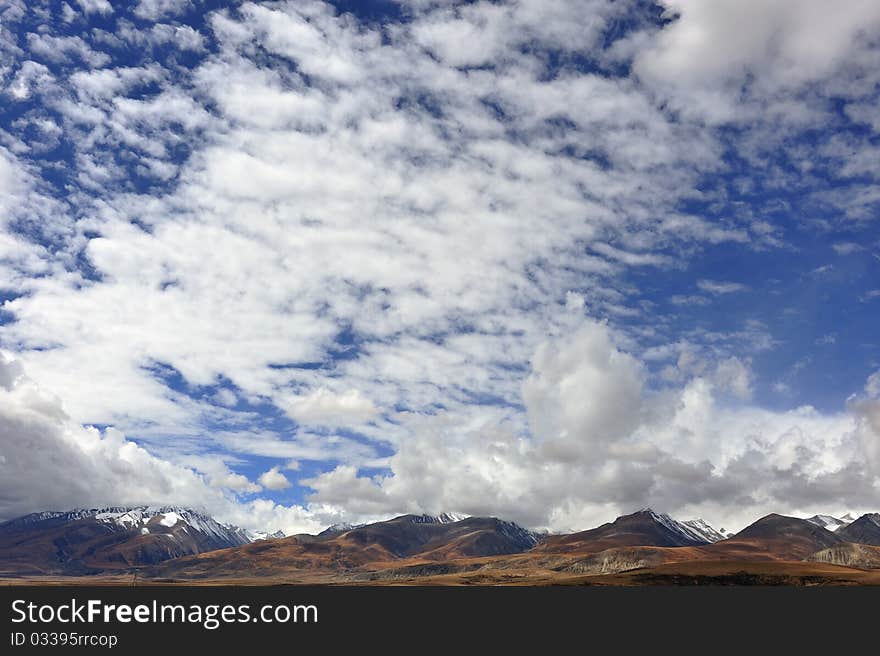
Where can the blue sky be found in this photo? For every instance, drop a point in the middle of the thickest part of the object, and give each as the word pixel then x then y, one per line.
pixel 305 262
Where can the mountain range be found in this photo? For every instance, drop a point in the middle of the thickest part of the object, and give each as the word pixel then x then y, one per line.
pixel 179 544
pixel 101 539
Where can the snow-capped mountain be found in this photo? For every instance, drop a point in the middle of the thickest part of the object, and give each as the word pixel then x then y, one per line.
pixel 864 530
pixel 100 539
pixel 829 522
pixel 443 518
pixel 694 530
pixel 446 534
pixel 145 519
pixel 519 535
pixel 703 530
pixel 254 536
pixel 336 529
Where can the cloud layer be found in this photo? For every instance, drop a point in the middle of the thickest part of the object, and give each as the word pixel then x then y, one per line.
pixel 602 443
pixel 475 257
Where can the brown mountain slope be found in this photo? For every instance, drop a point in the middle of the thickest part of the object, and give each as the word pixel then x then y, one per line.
pixel 771 538
pixel 864 530
pixel 642 528
pixel 774 537
pixel 409 535
pixel 733 572
pixel 402 540
pixel 861 556
pixel 81 542
pixel 408 547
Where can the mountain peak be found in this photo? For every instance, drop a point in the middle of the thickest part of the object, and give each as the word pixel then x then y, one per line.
pixel 442 518
pixel 338 528
pixel 828 521
pixel 775 525
pixel 99 539
pixel 692 531
pixel 705 530
pixel 864 530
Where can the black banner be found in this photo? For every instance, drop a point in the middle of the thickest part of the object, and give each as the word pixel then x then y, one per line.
pixel 92 620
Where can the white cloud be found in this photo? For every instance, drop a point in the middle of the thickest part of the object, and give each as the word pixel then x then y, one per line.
pixel 68 13
pixel 872 387
pixel 96 6
pixel 629 258
pixel 692 299
pixel 182 37
pixel 65 50
pixel 31 76
pixel 155 9
pixel 226 397
pixel 846 248
pixel 734 376
pixel 596 454
pixel 370 186
pixel 324 408
pixel 49 462
pixel 274 480
pixel 718 287
pixel 582 392
pixel 235 482
pixel 715 57
pixel 864 112
pixel 484 32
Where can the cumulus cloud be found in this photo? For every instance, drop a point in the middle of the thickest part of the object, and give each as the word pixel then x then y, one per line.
pixel 49 462
pixel 483 32
pixel 734 376
pixel 583 392
pixel 155 9
pixel 323 407
pixel 714 56
pixel 603 444
pixel 96 6
pixel 274 480
pixel 235 482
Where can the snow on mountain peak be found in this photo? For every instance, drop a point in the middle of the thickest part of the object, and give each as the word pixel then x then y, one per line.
pixel 703 529
pixel 254 536
pixel 829 522
pixel 442 518
pixel 341 527
pixel 138 517
pixel 169 519
pixel 696 530
pixel 449 518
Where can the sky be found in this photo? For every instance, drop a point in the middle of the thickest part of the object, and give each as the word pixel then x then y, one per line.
pixel 297 263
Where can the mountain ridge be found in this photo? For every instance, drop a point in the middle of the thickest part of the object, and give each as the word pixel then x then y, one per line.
pixel 110 538
pixel 177 543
